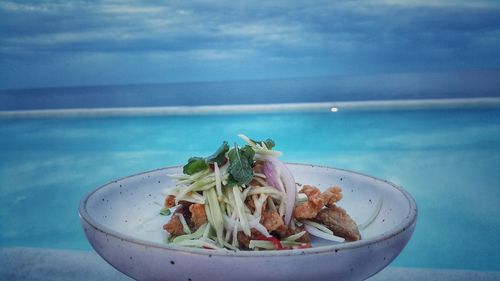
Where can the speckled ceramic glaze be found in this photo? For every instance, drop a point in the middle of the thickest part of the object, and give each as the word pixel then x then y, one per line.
pixel 121 222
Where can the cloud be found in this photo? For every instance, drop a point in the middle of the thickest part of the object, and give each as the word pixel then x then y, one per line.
pixel 339 27
pixel 304 38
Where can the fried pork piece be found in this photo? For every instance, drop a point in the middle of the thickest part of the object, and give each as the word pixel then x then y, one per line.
pixel 198 215
pixel 258 168
pixel 184 211
pixel 284 231
pixel 271 220
pixel 332 195
pixel 337 220
pixel 244 240
pixel 174 226
pixel 256 181
pixel 250 204
pixel 169 201
pixel 309 209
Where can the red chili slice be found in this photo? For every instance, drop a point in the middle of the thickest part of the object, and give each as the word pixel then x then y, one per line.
pixel 274 240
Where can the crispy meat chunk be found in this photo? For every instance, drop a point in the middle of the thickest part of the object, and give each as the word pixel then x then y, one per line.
pixel 284 231
pixel 338 221
pixel 332 195
pixel 244 240
pixel 309 209
pixel 306 238
pixel 184 211
pixel 174 226
pixel 281 232
pixel 258 167
pixel 198 215
pixel 169 201
pixel 256 181
pixel 271 220
pixel 250 204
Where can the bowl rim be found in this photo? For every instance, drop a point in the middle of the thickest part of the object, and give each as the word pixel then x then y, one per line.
pixel 405 225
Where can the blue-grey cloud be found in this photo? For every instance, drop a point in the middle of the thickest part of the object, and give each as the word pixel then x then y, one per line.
pixel 282 38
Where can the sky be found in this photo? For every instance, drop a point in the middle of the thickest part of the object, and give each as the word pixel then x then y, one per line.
pixel 70 43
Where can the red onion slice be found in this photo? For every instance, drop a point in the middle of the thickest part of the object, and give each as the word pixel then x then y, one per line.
pixel 289 185
pixel 272 176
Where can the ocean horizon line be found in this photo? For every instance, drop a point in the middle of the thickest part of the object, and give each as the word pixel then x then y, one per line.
pixel 256 108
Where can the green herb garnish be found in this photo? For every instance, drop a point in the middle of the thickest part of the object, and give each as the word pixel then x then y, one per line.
pixel 240 165
pixel 269 143
pixel 219 156
pixel 197 164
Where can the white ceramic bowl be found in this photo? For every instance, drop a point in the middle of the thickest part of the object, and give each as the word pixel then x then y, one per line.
pixel 120 220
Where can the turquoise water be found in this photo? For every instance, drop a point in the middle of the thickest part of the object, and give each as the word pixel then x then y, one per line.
pixel 447 159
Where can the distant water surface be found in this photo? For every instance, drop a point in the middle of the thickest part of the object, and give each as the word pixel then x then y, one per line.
pixel 318 89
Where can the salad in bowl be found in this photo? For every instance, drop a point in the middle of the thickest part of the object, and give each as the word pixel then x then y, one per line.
pixel 245 198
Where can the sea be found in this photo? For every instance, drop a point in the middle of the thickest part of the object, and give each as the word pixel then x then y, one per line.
pixel 249 92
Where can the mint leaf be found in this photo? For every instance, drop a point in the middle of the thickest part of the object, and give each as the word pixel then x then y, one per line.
pixel 240 165
pixel 195 164
pixel 249 153
pixel 269 143
pixel 231 181
pixel 219 156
